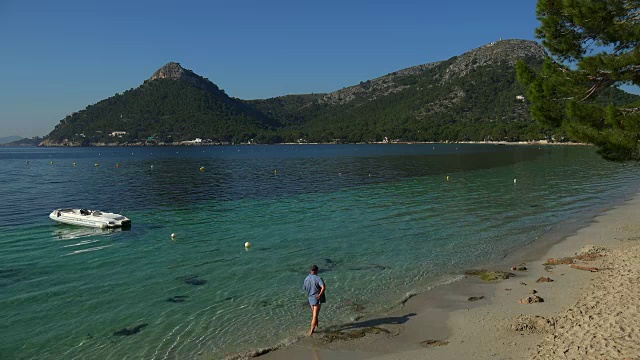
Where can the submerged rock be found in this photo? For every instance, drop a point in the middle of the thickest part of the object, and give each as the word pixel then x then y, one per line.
pixel 193 280
pixel 432 343
pixel 342 335
pixel 177 299
pixel 10 276
pixel 376 267
pixel 475 298
pixel 488 275
pixel 351 305
pixel 10 273
pixel 328 265
pixel 130 330
pixel 544 279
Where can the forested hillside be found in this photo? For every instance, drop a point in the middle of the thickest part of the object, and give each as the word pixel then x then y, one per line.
pixel 165 109
pixel 471 97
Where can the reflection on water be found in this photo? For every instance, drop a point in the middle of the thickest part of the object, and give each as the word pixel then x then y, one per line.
pixel 79 239
pixel 70 232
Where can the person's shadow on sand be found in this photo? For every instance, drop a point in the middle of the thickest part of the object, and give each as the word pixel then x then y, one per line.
pixel 389 320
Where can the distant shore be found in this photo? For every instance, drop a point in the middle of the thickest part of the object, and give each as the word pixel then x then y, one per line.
pixel 536 142
pixel 589 310
pixel 192 143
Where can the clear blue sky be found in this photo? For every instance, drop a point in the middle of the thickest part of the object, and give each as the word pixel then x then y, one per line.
pixel 57 57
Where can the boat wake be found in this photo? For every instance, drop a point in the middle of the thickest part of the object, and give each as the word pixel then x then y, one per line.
pixel 85 242
pixel 87 250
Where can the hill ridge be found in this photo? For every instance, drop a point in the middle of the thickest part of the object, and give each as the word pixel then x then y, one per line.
pixel 473 96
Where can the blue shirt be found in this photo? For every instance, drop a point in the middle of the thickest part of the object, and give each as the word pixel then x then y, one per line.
pixel 313 284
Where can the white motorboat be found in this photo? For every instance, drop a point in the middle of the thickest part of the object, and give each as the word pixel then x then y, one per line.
pixel 92 218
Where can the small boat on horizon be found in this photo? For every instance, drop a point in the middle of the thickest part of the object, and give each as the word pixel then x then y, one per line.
pixel 91 218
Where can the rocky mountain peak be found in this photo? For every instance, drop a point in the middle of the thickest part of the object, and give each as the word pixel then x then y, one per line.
pixel 509 51
pixel 175 71
pixel 501 51
pixel 172 70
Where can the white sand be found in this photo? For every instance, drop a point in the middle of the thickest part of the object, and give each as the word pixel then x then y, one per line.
pixel 605 322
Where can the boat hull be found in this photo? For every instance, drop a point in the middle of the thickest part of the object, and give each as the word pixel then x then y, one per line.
pixel 90 218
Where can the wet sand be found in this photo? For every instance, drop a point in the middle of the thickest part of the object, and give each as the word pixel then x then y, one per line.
pixel 584 314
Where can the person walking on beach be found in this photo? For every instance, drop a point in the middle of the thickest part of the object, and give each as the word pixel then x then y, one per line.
pixel 315 288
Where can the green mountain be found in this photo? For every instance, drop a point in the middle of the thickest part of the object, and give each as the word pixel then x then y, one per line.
pixel 474 96
pixel 174 105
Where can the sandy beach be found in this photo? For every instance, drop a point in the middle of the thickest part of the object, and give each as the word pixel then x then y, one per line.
pixel 588 311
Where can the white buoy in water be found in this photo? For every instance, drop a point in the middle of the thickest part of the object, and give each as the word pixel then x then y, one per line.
pixel 514 181
pixel 247 245
pixel 173 236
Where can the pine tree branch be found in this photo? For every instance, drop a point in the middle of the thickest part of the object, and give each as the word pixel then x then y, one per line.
pixel 591 91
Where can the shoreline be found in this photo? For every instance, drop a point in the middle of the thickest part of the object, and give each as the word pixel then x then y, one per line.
pixel 192 143
pixel 443 323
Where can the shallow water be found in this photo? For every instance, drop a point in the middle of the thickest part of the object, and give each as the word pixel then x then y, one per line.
pixel 381 221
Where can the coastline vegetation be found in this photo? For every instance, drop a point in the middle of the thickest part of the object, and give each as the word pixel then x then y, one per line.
pixel 593 47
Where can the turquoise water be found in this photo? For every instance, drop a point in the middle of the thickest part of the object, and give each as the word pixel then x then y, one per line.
pixel 381 222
